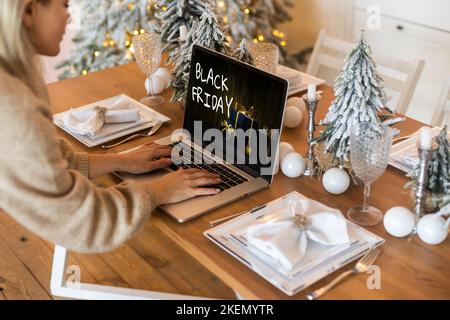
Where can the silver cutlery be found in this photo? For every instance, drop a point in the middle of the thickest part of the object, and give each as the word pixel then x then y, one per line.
pixel 361 267
pixel 216 222
pixel 404 137
pixel 150 132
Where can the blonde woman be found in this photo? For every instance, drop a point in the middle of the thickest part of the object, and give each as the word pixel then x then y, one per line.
pixel 44 185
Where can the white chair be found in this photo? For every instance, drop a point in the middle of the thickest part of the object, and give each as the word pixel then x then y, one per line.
pixel 62 286
pixel 443 108
pixel 400 76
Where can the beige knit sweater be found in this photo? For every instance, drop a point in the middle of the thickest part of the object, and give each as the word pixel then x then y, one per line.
pixel 44 185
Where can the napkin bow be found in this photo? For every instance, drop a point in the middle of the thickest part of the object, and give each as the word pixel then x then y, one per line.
pixel 287 240
pixel 90 121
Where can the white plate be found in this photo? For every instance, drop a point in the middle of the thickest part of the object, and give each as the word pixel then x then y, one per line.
pixel 113 131
pixel 407 147
pixel 318 263
pixel 298 81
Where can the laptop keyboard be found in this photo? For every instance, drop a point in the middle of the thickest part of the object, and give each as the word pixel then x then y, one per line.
pixel 229 177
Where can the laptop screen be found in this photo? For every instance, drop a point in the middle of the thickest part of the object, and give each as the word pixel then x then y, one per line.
pixel 235 110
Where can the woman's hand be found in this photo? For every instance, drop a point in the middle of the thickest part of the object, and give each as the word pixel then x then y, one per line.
pixel 184 184
pixel 148 158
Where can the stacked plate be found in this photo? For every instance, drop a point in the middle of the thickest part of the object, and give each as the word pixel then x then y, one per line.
pixel 319 261
pixel 404 154
pixel 298 81
pixel 109 132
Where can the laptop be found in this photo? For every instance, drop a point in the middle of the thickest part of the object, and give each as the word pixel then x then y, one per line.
pixel 243 108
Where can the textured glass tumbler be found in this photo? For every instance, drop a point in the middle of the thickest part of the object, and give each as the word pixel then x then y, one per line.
pixel 265 56
pixel 148 53
pixel 370 145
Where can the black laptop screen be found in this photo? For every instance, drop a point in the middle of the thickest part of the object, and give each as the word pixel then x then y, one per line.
pixel 227 95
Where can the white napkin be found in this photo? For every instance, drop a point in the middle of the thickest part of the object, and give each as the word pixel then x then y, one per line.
pixel 90 121
pixel 411 159
pixel 287 243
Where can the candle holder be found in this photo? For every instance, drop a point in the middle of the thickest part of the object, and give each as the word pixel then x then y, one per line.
pixel 311 106
pixel 422 178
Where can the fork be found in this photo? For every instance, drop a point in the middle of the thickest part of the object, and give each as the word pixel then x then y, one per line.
pixel 361 267
pixel 151 131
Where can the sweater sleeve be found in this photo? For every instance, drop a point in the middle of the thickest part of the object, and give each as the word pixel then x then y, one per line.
pixel 76 160
pixel 41 188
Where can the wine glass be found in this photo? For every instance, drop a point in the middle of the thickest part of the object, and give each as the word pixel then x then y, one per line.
pixel 265 56
pixel 148 53
pixel 370 145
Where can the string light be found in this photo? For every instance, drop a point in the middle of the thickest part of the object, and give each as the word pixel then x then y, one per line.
pixel 283 43
pixel 261 37
pixel 84 72
pixel 247 11
pixel 96 53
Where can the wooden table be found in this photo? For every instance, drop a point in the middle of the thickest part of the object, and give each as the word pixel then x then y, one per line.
pixel 410 269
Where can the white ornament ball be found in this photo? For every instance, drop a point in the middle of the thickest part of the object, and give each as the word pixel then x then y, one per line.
pixel 164 74
pixel 154 85
pixel 297 102
pixel 432 229
pixel 293 165
pixel 336 181
pixel 399 221
pixel 284 149
pixel 292 117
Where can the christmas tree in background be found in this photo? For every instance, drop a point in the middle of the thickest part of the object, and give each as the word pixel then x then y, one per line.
pixel 268 15
pixel 242 53
pixel 256 20
pixel 360 97
pixel 173 14
pixel 206 33
pixel 109 25
pixel 236 15
pixel 105 38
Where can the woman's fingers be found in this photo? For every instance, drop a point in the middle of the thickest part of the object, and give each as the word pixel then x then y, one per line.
pixel 160 152
pixel 160 163
pixel 205 191
pixel 200 182
pixel 198 173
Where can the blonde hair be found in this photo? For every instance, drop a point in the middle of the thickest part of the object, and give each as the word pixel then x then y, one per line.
pixel 18 56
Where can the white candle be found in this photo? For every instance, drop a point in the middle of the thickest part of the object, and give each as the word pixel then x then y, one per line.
pixel 311 92
pixel 425 138
pixel 183 33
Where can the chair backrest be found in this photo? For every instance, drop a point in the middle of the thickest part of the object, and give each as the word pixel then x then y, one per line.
pixel 442 110
pixel 400 76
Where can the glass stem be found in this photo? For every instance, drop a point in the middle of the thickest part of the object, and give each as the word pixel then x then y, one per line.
pixel 366 197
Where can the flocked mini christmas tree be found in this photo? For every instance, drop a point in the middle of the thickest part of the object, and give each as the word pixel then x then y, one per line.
pixel 438 174
pixel 242 53
pixel 105 36
pixel 360 97
pixel 173 14
pixel 206 33
pixel 439 167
